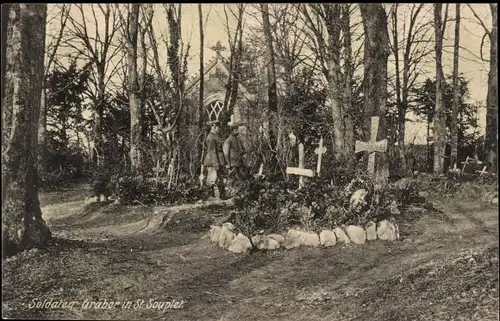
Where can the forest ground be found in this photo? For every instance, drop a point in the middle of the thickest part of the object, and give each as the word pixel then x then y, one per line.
pixel 444 268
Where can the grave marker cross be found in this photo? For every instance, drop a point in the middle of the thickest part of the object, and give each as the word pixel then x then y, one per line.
pixel 484 171
pixel 320 150
pixel 466 163
pixel 372 145
pixel 301 171
pixel 158 170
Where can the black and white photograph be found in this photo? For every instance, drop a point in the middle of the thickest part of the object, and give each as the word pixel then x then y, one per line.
pixel 250 161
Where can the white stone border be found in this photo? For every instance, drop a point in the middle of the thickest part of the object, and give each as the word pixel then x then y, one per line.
pixel 225 237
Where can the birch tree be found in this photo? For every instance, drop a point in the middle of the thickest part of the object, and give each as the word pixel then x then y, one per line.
pixel 23 225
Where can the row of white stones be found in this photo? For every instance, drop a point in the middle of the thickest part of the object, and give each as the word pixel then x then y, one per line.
pixel 225 237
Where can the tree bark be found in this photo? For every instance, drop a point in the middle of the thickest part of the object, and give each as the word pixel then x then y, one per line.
pixel 136 123
pixel 202 71
pixel 274 127
pixel 491 136
pixel 456 89
pixel 271 66
pixel 332 14
pixel 376 46
pixel 349 140
pixel 439 116
pixel 23 226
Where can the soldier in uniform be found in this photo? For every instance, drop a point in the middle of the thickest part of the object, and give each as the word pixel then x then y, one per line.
pixel 214 159
pixel 234 151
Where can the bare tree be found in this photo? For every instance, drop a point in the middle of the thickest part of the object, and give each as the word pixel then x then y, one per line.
pixel 491 138
pixel 491 135
pixel 288 39
pixel 202 64
pixel 328 45
pixel 456 89
pixel 376 46
pixel 439 114
pixel 414 47
pixel 274 128
pixel 50 54
pixel 23 225
pixel 99 48
pixel 170 111
pixel 130 33
pixel 235 40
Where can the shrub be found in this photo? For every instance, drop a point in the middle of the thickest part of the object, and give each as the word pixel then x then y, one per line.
pixel 275 206
pixel 137 188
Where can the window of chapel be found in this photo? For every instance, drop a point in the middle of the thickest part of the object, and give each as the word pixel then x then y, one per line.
pixel 214 110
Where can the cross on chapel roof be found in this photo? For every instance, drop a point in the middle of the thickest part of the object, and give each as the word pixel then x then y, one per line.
pixel 218 48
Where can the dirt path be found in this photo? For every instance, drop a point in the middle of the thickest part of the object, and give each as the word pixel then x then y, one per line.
pixel 446 268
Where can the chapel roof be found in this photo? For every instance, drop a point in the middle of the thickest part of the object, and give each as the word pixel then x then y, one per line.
pixel 211 68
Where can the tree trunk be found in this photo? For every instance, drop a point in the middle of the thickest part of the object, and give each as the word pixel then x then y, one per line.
pixel 376 46
pixel 456 89
pixel 439 115
pixel 42 131
pixel 202 80
pixel 23 226
pixel 201 109
pixel 4 21
pixel 349 141
pixel 271 66
pixel 332 15
pixel 271 88
pixel 401 91
pixel 97 152
pixel 491 136
pixel 133 88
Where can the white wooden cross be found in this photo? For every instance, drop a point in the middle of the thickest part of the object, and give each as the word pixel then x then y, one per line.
pixel 320 150
pixel 455 169
pixel 465 163
pixel 261 169
pixel 158 170
pixel 301 171
pixel 484 171
pixel 372 145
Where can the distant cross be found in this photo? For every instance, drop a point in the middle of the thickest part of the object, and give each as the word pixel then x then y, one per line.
pixel 218 48
pixel 466 163
pixel 484 171
pixel 261 170
pixel 372 145
pixel 301 171
pixel 158 170
pixel 455 169
pixel 320 150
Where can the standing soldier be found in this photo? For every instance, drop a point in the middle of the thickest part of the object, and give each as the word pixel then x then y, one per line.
pixel 214 159
pixel 234 151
